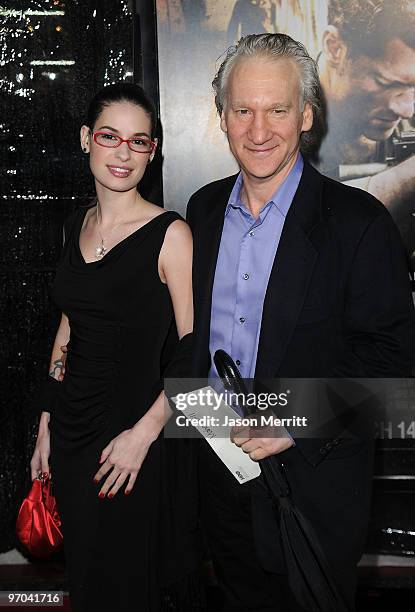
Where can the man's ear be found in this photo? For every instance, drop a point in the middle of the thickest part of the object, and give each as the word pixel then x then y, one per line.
pixel 85 136
pixel 334 48
pixel 307 117
pixel 223 125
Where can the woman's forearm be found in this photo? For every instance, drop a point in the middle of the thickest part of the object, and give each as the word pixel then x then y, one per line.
pixel 61 339
pixel 155 418
pixel 48 390
pixel 44 422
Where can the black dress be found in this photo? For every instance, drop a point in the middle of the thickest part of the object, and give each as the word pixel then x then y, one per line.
pixel 120 316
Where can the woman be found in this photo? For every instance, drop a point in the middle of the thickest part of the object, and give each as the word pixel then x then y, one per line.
pixel 123 284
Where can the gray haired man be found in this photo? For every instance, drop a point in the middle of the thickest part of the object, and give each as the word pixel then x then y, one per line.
pixel 286 280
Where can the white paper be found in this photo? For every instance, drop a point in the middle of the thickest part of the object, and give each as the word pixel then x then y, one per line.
pixel 217 435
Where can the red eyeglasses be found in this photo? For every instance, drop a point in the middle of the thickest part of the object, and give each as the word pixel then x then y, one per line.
pixel 139 144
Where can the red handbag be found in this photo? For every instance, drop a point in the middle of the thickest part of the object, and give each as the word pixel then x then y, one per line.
pixel 38 522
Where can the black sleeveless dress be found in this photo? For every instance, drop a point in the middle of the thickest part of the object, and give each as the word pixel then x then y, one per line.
pixel 120 316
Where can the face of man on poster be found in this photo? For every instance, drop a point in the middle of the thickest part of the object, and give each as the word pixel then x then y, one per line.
pixel 263 117
pixel 367 71
pixel 370 94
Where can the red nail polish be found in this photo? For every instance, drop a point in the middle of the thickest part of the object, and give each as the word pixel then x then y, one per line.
pixel 101 495
pixel 95 481
pixel 110 495
pixel 127 492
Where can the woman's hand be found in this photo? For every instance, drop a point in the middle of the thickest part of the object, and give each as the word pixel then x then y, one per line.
pixel 40 458
pixel 125 455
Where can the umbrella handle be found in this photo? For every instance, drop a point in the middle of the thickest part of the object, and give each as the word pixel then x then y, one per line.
pixel 229 373
pixel 233 381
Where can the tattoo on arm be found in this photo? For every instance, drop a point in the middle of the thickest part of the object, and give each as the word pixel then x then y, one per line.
pixel 57 368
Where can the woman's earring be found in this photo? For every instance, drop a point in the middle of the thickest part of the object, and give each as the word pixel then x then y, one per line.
pixel 84 149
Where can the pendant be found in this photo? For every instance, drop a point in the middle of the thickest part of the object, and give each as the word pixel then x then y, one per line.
pixel 100 251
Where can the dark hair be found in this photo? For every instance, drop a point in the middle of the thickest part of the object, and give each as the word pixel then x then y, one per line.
pixel 121 92
pixel 277 46
pixel 366 25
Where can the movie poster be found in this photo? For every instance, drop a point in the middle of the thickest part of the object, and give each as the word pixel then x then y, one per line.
pixel 366 59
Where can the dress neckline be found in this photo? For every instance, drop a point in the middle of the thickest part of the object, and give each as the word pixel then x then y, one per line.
pixel 116 246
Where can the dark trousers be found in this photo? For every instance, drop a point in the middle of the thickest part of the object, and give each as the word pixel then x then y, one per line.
pixel 226 518
pixel 247 565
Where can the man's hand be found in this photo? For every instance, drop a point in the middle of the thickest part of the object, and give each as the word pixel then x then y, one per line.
pixel 260 442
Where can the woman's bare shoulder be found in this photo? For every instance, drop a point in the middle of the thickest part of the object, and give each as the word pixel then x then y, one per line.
pixel 151 211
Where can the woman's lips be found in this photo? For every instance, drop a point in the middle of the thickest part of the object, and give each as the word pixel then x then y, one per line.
pixel 119 171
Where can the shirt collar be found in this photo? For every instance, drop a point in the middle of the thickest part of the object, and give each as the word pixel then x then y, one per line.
pixel 282 196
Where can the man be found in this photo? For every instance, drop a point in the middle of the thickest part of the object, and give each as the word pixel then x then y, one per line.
pixel 295 275
pixel 367 70
pixel 250 16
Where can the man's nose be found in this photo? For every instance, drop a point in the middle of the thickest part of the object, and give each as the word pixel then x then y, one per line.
pixel 259 131
pixel 402 104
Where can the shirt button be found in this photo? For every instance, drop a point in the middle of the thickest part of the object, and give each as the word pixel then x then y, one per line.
pixel 252 233
pixel 238 362
pixel 245 276
pixel 241 319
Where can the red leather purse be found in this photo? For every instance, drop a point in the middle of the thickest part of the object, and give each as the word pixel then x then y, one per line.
pixel 38 522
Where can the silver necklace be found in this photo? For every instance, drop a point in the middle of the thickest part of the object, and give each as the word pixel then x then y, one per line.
pixel 101 249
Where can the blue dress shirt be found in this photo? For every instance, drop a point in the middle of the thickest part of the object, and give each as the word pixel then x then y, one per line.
pixel 246 255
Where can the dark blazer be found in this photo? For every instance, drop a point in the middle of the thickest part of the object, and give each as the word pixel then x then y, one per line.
pixel 338 299
pixel 338 303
